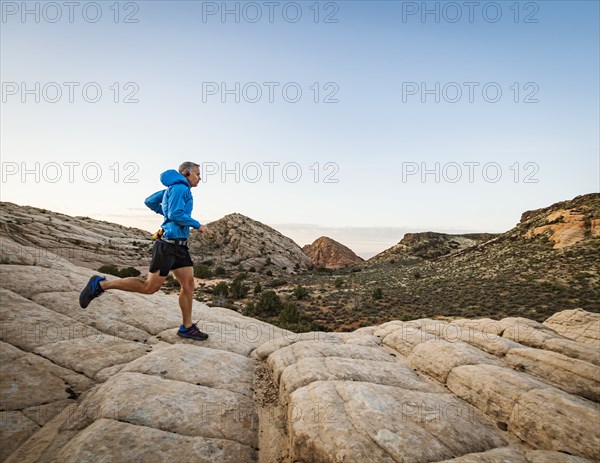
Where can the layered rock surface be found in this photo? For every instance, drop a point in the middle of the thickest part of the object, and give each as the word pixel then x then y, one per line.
pixel 84 241
pixel 113 383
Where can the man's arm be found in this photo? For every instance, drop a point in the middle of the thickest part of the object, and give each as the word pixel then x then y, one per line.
pixel 154 202
pixel 175 205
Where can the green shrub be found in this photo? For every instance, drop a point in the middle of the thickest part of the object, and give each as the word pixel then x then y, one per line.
pixel 268 305
pixel 338 283
pixel 257 288
pixel 300 292
pixel 221 289
pixel 129 272
pixel 377 293
pixel 219 271
pixel 252 269
pixel 238 289
pixel 112 269
pixel 289 314
pixel 109 269
pixel 269 273
pixel 171 282
pixel 202 271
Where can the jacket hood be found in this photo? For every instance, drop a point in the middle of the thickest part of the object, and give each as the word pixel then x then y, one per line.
pixel 172 177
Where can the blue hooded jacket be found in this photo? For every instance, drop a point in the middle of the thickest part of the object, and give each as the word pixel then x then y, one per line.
pixel 175 204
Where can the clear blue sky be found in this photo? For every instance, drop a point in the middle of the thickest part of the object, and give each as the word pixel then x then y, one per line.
pixel 378 59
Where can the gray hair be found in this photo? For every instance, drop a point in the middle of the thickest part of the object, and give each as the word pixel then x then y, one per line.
pixel 187 165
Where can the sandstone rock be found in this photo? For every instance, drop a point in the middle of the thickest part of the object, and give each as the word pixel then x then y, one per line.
pixel 12 253
pixel 28 325
pixel 266 349
pixel 42 414
pixel 533 334
pixel 18 367
pixel 406 338
pixel 198 365
pixel 128 443
pixel 289 355
pixel 91 354
pixel 370 422
pixel 108 372
pixel 503 455
pixel 438 357
pixel 546 456
pixel 221 336
pixel 570 229
pixel 309 370
pixel 12 277
pixel 171 406
pixel 25 383
pixel 32 449
pixel 553 420
pixel 327 253
pixel 107 314
pixel 578 325
pixel 485 325
pixel 82 241
pixel 511 455
pixel 15 428
pixel 492 389
pixel 487 341
pixel 289 338
pixel 570 375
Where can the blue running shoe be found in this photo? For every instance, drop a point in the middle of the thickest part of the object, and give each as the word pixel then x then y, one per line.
pixel 91 291
pixel 192 332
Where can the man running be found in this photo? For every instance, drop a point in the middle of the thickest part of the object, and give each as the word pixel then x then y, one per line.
pixel 170 250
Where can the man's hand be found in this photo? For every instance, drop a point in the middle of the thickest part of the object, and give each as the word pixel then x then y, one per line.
pixel 203 228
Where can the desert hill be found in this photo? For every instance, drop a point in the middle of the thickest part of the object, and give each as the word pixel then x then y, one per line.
pixel 114 383
pixel 237 240
pixel 429 245
pixel 325 252
pixel 545 264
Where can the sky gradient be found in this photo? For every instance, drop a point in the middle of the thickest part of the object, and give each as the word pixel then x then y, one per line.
pixel 364 154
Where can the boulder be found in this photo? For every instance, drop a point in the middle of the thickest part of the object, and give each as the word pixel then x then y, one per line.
pixel 577 325
pixel 570 375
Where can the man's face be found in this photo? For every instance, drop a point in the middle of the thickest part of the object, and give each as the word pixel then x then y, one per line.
pixel 194 177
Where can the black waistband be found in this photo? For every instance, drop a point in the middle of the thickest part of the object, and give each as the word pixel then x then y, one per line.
pixel 179 242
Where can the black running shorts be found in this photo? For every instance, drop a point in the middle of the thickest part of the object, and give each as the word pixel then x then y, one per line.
pixel 168 256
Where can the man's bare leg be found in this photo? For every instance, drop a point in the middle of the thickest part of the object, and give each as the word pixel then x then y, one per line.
pixel 136 285
pixel 185 276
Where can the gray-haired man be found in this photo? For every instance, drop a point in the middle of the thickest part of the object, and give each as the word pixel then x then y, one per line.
pixel 170 251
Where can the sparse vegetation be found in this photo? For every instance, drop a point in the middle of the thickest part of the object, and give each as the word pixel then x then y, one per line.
pixel 202 271
pixel 377 293
pixel 238 289
pixel 221 289
pixel 300 292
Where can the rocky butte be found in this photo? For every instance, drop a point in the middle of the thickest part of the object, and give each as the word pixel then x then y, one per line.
pixel 327 253
pixel 113 383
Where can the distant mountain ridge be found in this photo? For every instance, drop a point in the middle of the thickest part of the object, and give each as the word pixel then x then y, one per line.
pixel 430 245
